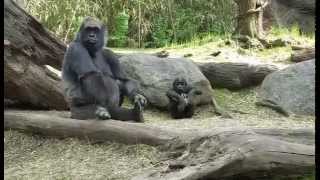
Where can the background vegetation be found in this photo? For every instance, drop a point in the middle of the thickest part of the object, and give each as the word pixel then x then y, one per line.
pixel 138 23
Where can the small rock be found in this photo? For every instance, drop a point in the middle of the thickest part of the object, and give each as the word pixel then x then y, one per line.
pixel 162 54
pixel 215 53
pixel 187 55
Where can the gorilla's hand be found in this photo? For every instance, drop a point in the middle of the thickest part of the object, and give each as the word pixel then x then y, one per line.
pixel 138 98
pixel 181 106
pixel 102 113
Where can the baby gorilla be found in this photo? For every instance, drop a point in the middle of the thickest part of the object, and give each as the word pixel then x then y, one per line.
pixel 181 95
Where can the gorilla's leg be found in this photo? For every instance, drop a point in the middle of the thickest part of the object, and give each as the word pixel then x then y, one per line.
pixel 122 92
pixel 131 88
pixel 105 92
pixel 189 111
pixel 174 112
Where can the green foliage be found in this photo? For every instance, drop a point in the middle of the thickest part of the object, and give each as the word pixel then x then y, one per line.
pixel 154 23
pixel 293 31
pixel 160 35
pixel 193 19
pixel 121 26
pixel 62 17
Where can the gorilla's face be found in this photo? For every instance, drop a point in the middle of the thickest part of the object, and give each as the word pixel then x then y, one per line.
pixel 180 85
pixel 91 34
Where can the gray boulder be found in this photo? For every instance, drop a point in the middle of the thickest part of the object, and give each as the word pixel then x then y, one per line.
pixel 156 75
pixel 291 89
pixel 290 12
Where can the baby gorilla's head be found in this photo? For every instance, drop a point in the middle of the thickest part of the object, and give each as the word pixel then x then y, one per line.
pixel 180 85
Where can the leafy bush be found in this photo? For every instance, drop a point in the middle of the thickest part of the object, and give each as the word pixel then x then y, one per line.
pixel 160 22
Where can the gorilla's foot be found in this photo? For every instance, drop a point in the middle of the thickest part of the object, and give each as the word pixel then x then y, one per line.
pixel 102 113
pixel 138 110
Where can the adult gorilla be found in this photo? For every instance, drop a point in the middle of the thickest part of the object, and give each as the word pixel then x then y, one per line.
pixel 94 82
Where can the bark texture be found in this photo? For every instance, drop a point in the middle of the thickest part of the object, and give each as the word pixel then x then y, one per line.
pixel 302 54
pixel 28 51
pixel 247 18
pixel 235 76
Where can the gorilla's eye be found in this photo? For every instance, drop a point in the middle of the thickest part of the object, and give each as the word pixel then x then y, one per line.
pixel 92 30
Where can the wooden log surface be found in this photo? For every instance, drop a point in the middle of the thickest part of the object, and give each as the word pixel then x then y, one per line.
pixel 219 153
pixel 302 54
pixel 241 154
pixel 59 125
pixel 28 50
pixel 235 76
pixel 26 35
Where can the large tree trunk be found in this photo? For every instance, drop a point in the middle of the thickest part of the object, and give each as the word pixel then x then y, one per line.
pixel 247 21
pixel 235 76
pixel 29 49
pixel 194 154
pixel 250 18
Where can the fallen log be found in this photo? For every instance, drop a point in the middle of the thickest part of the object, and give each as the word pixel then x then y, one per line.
pixel 28 50
pixel 96 130
pixel 31 86
pixel 302 54
pixel 235 76
pixel 226 153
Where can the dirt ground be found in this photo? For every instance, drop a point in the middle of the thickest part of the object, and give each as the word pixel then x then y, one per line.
pixel 28 156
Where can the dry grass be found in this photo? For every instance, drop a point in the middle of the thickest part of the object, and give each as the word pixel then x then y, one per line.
pixel 241 106
pixel 35 157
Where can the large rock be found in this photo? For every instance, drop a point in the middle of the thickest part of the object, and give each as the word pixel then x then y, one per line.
pixel 293 88
pixel 290 12
pixel 157 74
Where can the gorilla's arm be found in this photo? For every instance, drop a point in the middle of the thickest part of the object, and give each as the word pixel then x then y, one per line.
pixel 114 64
pixel 129 87
pixel 175 97
pixel 172 95
pixel 78 60
pixel 79 71
pixel 99 93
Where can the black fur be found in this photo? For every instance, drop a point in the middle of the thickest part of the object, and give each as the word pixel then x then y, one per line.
pixel 93 78
pixel 181 99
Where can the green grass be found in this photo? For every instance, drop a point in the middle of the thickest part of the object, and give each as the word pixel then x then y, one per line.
pixel 293 32
pixel 310 177
pixel 197 41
